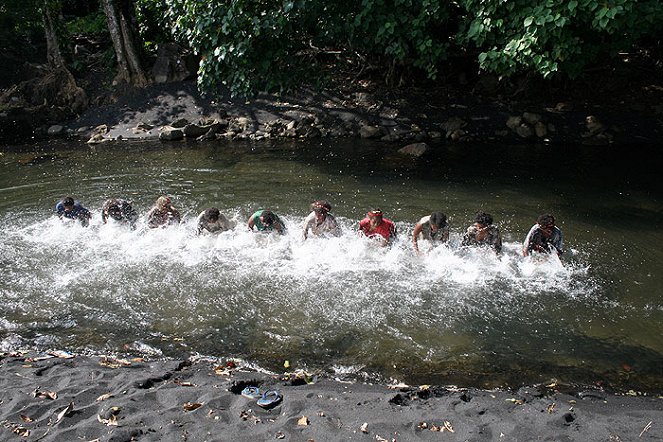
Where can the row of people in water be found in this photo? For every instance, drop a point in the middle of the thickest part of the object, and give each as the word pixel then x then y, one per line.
pixel 543 237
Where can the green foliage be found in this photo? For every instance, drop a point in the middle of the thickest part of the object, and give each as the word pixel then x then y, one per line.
pixel 92 24
pixel 551 36
pixel 252 45
pixel 20 24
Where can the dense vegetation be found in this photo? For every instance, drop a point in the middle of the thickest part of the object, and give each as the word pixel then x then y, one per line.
pixel 251 45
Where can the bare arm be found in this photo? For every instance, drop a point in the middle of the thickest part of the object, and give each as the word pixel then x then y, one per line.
pixel 415 236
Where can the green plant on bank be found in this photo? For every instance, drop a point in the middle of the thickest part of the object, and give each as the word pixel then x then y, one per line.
pixel 554 36
pixel 251 45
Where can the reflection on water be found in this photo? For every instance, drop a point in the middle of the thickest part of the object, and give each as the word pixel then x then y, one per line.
pixel 339 304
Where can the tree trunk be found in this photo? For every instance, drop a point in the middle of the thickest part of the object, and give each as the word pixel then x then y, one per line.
pixel 130 70
pixel 53 54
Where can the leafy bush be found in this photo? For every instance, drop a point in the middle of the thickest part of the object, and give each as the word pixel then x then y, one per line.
pixel 551 36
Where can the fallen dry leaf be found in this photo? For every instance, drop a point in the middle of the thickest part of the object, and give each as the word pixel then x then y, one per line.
pixel 67 410
pixel 104 396
pixel 45 394
pixel 114 362
pixel 448 427
pixel 551 408
pixel 190 406
pixel 380 439
pixel 111 421
pixel 25 418
pixel 21 431
pixel 321 413
pixel 434 427
pixel 183 383
pixel 364 427
pixel 280 435
pixel 303 421
pixel 422 425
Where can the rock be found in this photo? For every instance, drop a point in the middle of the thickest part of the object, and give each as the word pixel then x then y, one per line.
pixel 452 124
pixel 291 125
pixel 531 118
pixel 415 149
pixel 524 131
pixel 101 129
pixel 178 124
pixel 540 129
pixel 194 131
pixel 368 132
pixel 55 130
pixel 98 139
pixel 171 134
pixel 457 135
pixel 435 135
pixel 594 125
pixel 513 122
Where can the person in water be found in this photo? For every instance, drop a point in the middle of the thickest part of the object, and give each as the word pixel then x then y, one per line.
pixel 375 225
pixel 544 237
pixel 483 233
pixel 433 227
pixel 163 213
pixel 71 209
pixel 320 222
pixel 213 221
pixel 266 221
pixel 119 210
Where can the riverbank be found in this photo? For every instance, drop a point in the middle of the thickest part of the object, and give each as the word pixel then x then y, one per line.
pixel 485 111
pixel 61 396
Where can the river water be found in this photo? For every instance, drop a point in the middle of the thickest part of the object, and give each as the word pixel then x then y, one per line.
pixel 343 305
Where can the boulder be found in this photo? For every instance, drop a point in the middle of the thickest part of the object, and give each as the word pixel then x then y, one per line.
pixel 524 131
pixel 171 134
pixel 531 118
pixel 540 129
pixel 368 132
pixel 415 149
pixel 513 122
pixel 55 130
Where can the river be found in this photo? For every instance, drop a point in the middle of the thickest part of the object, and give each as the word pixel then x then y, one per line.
pixel 343 305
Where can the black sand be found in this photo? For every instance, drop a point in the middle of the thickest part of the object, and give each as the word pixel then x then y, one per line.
pixel 73 399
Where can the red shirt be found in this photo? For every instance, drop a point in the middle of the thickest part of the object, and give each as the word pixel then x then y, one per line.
pixel 386 228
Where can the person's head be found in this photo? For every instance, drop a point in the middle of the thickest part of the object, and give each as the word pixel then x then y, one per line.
pixel 163 203
pixel 546 222
pixel 482 220
pixel 438 220
pixel 267 218
pixel 114 210
pixel 211 215
pixel 68 203
pixel 375 216
pixel 321 208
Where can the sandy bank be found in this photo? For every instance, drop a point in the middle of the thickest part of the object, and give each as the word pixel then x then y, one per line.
pixel 108 399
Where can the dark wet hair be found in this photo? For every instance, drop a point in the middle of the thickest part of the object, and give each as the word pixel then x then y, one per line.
pixel 68 201
pixel 321 206
pixel 438 219
pixel 211 214
pixel 483 218
pixel 113 209
pixel 546 220
pixel 268 217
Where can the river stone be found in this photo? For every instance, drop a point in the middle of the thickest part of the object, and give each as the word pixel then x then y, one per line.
pixel 98 139
pixel 370 132
pixel 513 122
pixel 55 130
pixel 415 149
pixel 540 129
pixel 531 118
pixel 178 124
pixel 524 131
pixel 194 131
pixel 171 134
